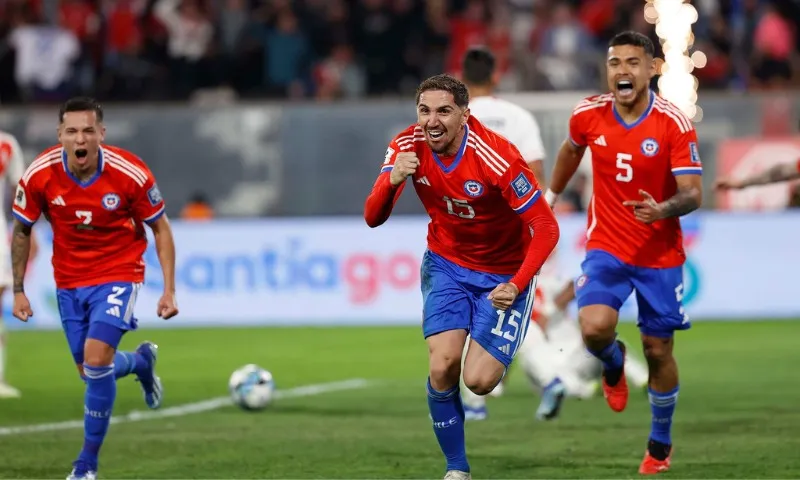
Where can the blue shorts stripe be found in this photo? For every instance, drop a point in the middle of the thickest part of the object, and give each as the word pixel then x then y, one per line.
pixel 526 314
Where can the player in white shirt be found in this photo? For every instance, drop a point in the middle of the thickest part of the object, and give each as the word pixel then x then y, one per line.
pixel 553 354
pixel 11 169
pixel 517 125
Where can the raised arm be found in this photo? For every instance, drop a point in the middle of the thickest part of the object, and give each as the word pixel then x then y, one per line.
pixel 778 173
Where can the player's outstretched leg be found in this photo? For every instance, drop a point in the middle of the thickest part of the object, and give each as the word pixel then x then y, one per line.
pixel 598 324
pixel 141 363
pixel 6 390
pixel 541 368
pixel 101 391
pixel 444 400
pixel 663 394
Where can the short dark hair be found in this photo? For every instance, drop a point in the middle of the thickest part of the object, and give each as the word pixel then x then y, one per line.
pixel 446 83
pixel 81 104
pixel 478 66
pixel 633 38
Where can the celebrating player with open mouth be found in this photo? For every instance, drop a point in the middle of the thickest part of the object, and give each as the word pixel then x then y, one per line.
pixel 646 172
pixel 478 274
pixel 96 198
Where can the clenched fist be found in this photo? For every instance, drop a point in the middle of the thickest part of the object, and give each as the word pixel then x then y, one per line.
pixel 405 164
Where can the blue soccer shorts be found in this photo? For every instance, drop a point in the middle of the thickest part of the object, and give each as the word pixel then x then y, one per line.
pixel 659 291
pixel 455 298
pixel 103 312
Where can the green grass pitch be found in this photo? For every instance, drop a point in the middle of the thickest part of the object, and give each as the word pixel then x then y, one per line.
pixel 738 414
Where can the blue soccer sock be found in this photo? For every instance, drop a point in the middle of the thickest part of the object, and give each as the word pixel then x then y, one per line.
pixel 101 390
pixel 447 413
pixel 612 358
pixel 662 406
pixel 126 363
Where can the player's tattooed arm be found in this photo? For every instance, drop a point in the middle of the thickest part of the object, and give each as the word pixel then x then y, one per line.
pixel 687 199
pixel 20 252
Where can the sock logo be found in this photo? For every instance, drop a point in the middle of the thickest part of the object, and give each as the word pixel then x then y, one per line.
pixel 96 413
pixel 446 424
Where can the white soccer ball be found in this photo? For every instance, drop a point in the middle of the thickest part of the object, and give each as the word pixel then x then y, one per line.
pixel 251 387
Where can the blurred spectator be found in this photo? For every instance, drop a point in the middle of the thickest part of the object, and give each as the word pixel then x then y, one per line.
pixel 331 49
pixel 197 209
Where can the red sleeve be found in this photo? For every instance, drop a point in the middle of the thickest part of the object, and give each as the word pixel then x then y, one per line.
pixel 798 166
pixel 577 127
pixel 524 195
pixel 148 204
pixel 384 195
pixel 683 153
pixel 27 202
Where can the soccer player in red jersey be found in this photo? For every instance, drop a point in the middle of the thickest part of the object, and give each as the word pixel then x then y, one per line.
pixel 778 173
pixel 488 237
pixel 646 174
pixel 96 198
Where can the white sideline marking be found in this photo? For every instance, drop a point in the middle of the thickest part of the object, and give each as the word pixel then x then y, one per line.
pixel 190 408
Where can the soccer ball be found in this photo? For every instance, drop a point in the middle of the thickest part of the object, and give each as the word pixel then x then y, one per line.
pixel 251 387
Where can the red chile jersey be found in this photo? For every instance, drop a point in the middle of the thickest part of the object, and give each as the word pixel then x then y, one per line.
pixel 98 235
pixel 477 200
pixel 647 154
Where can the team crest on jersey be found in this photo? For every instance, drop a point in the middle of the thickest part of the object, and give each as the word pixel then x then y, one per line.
pixel 110 201
pixel 581 281
pixel 649 147
pixel 521 185
pixel 694 154
pixel 473 188
pixel 19 198
pixel 154 195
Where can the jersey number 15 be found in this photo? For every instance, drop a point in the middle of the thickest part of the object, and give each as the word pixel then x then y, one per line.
pixel 459 208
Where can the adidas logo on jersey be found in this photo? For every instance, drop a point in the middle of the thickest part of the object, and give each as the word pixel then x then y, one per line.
pixel 505 349
pixel 113 311
pixel 424 181
pixel 59 201
pixel 601 140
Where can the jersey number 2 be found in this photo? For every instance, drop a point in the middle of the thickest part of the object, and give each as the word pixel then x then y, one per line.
pixel 84 215
pixel 623 164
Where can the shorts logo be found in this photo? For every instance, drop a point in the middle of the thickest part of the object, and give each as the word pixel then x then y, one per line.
pixel 581 281
pixel 473 188
pixel 649 147
pixel 154 195
pixel 694 154
pixel 19 199
pixel 110 201
pixel 521 185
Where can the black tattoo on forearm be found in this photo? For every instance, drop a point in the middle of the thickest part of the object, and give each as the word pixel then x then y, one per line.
pixel 686 200
pixel 20 251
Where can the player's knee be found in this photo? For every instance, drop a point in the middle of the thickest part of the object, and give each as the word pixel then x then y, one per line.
pixel 657 350
pixel 444 371
pixel 597 325
pixel 480 383
pixel 97 353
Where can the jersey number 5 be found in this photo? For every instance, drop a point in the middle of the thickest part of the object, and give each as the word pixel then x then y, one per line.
pixel 623 163
pixel 459 208
pixel 84 215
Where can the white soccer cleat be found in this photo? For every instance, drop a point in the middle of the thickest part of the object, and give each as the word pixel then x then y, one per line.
pixel 457 475
pixel 7 391
pixel 90 475
pixel 498 390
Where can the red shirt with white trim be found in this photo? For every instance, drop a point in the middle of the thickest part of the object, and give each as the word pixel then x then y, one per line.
pixel 645 155
pixel 98 231
pixel 482 203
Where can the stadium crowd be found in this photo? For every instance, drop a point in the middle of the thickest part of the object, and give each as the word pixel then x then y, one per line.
pixel 325 49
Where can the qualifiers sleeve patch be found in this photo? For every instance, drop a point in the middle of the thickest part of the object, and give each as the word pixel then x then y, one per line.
pixel 19 199
pixel 694 154
pixel 521 185
pixel 154 195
